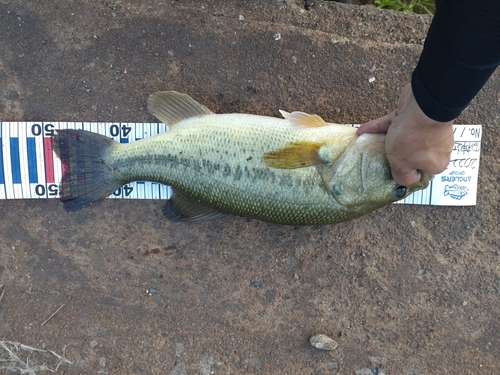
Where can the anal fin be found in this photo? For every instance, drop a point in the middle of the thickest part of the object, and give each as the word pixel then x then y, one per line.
pixel 180 208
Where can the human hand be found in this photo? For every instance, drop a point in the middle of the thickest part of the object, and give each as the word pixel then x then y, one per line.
pixel 414 143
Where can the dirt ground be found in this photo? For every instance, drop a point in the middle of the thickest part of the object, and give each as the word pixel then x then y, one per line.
pixel 407 290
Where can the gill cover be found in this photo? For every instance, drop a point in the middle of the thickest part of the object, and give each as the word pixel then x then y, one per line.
pixel 361 178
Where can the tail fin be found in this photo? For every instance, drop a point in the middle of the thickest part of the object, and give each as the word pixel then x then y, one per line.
pixel 86 176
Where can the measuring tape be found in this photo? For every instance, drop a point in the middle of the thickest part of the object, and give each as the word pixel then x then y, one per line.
pixel 29 168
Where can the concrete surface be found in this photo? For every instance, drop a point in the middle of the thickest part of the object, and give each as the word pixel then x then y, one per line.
pixel 407 290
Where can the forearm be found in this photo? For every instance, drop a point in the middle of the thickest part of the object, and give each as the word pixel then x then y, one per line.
pixel 461 52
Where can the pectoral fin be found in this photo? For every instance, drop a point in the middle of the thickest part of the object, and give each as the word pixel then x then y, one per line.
pixel 180 208
pixel 294 155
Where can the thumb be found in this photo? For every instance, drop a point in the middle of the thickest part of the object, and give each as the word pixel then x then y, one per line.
pixel 380 125
pixel 405 177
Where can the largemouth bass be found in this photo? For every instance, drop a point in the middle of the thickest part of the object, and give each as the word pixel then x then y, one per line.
pixel 298 170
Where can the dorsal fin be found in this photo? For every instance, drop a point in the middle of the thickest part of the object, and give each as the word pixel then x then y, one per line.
pixel 171 107
pixel 303 119
pixel 294 155
pixel 285 114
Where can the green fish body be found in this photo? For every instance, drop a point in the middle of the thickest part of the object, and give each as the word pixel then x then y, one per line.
pixel 298 170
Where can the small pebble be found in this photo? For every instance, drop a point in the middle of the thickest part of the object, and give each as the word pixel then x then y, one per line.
pixel 373 370
pixel 323 342
pixel 377 361
pixel 331 366
pixel 255 361
pixel 102 361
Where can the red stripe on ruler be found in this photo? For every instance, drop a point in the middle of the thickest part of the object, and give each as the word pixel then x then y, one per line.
pixel 49 160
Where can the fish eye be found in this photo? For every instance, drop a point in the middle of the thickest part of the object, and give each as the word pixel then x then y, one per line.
pixel 400 191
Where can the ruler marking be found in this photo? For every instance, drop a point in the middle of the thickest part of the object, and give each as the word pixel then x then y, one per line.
pixel 9 187
pixel 15 172
pixel 113 131
pixel 2 175
pixel 430 192
pixel 49 160
pixel 23 162
pixel 39 190
pixel 15 168
pixel 135 135
pixel 140 188
pixel 154 190
pixel 14 161
pixel 127 128
pixel 152 130
pixel 32 170
pixel 56 163
pixel 166 191
pixel 2 180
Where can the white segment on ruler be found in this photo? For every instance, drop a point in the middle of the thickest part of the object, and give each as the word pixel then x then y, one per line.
pixel 57 162
pixel 40 161
pixel 14 133
pixel 457 186
pixel 23 160
pixel 3 136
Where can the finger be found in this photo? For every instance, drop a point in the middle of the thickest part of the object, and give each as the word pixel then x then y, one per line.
pixel 405 177
pixel 379 125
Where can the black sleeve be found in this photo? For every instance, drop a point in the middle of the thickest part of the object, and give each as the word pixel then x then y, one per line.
pixel 461 52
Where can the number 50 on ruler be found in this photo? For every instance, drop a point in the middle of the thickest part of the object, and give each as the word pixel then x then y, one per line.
pixel 30 169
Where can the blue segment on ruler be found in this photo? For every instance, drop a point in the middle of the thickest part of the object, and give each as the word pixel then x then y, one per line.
pixel 32 170
pixel 14 160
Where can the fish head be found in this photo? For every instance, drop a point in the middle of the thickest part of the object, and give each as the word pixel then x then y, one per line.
pixel 361 180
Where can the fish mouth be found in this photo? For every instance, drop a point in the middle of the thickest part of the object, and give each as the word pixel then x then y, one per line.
pixel 421 184
pixel 424 181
